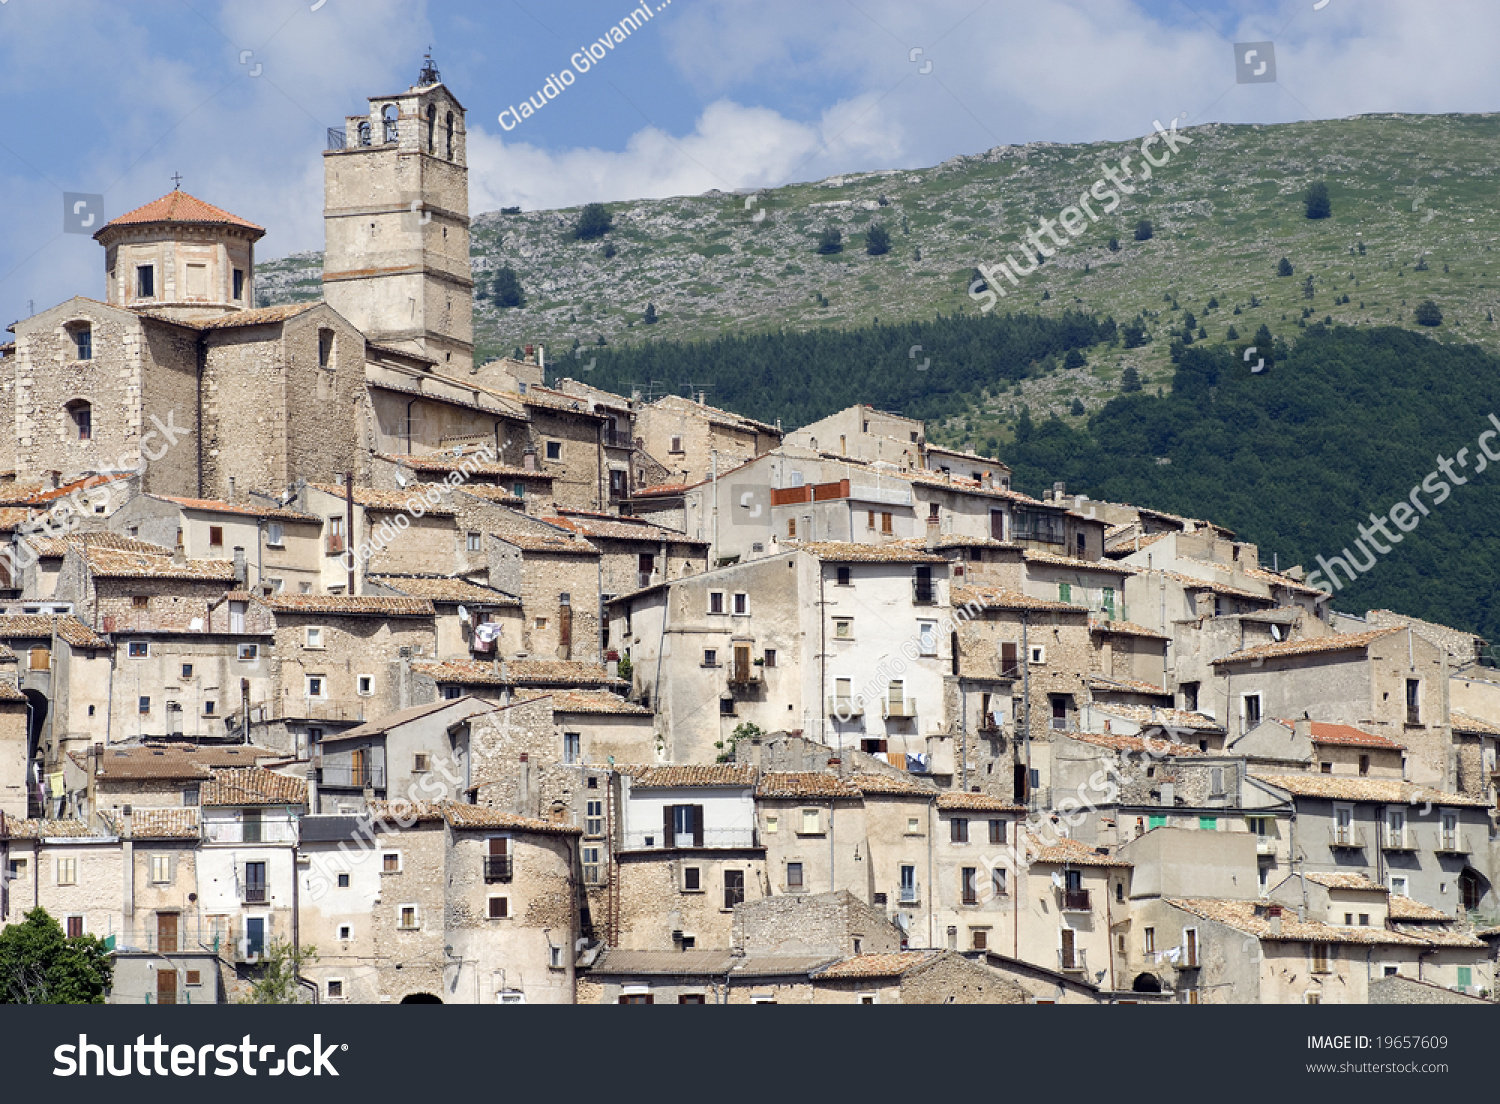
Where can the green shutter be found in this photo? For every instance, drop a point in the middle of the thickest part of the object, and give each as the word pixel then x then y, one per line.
pixel 1465 977
pixel 1156 822
pixel 1208 823
pixel 1109 602
pixel 1064 592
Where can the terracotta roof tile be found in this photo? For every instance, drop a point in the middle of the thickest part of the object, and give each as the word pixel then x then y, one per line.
pixel 48 829
pixel 805 784
pixel 389 502
pixel 1161 717
pixel 595 701
pixel 559 672
pixel 1242 916
pixel 620 529
pixel 892 964
pixel 1070 852
pixel 440 464
pixel 892 784
pixel 1135 744
pixel 663 489
pixel 558 542
pixel 899 552
pixel 1467 722
pixel 178 206
pixel 1031 555
pixel 1348 736
pixel 30 625
pixel 1315 645
pixel 253 786
pixel 463 672
pixel 445 588
pixel 1127 686
pixel 977 802
pixel 1381 790
pixel 721 774
pixel 482 816
pixel 171 761
pixel 244 509
pixel 999 598
pixel 107 563
pixel 501 495
pixel 344 605
pixel 1126 628
pixel 149 824
pixel 1339 880
pixel 1402 907
pixel 8 690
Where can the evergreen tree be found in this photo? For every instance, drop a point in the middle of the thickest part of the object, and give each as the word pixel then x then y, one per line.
pixel 1232 334
pixel 1144 230
pixel 1283 268
pixel 1262 338
pixel 508 291
pixel 1076 409
pixel 1316 200
pixel 1428 314
pixel 650 316
pixel 593 222
pixel 877 240
pixel 1074 359
pixel 1114 244
pixel 831 240
pixel 1130 379
pixel 1307 288
pixel 609 249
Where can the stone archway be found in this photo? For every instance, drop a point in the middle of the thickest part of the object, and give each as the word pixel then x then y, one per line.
pixel 421 998
pixel 1146 983
pixel 1473 887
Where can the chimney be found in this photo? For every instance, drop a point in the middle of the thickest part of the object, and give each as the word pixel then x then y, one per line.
pixel 1273 914
pixel 239 566
pixel 755 750
pixel 1169 794
pixel 1059 491
pixel 1302 728
pixel 54 477
pixel 96 765
pixel 530 350
pixel 523 792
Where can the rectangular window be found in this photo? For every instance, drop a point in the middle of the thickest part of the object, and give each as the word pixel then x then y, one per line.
pixel 248 651
pixel 1064 592
pixel 255 883
pixel 161 869
pixel 1208 823
pixel 473 542
pixel 843 628
pixel 83 342
pixel 969 884
pixel 734 888
pixel 67 871
pixel 772 824
pixel 145 281
pixel 1150 941
pixel 885 522
pixel 793 875
pixel 997 881
pixel 716 601
pixel 593 821
pixel 770 657
pixel 315 684
pixel 189 796
pixel 215 536
pixel 997 831
pixel 1252 710
pixel 343 883
pixel 499 908
pixel 250 821
pixel 710 657
pixel 390 862
pixel 554 450
pixel 958 830
pixel 408 917
pixel 1320 957
pixel 75 927
pixel 139 649
pixel 691 876
pixel 275 535
pixel 572 750
pixel 927 637
pixel 908 884
pixel 741 604
pixel 143 705
pixel 366 684
pixel 1413 701
pixel 239 284
pixel 325 348
pixel 811 822
pixel 314 637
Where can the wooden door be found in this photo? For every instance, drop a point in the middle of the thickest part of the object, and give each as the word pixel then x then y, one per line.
pixel 166 932
pixel 166 986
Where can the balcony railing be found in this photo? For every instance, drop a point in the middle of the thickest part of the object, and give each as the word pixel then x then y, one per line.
pixel 1267 847
pixel 1074 961
pixel 255 894
pixel 909 894
pixel 1454 843
pixel 497 868
pixel 842 705
pixel 641 839
pixel 337 139
pixel 1399 840
pixel 743 676
pixel 905 708
pixel 357 778
pixel 923 592
pixel 1347 838
pixel 1076 900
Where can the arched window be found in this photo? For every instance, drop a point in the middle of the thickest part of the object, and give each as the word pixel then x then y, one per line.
pixel 388 116
pixel 431 128
pixel 363 134
pixel 82 416
pixel 450 136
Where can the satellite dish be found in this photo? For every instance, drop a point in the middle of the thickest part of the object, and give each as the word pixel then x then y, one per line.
pixel 463 614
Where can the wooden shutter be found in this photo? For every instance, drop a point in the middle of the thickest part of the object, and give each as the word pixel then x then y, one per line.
pixel 668 838
pixel 499 847
pixel 697 825
pixel 1009 664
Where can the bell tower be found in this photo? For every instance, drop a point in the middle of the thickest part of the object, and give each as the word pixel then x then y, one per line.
pixel 396 223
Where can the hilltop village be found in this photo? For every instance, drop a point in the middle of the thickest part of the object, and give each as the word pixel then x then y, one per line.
pixel 315 632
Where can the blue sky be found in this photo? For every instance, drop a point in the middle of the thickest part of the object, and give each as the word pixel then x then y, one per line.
pixel 113 97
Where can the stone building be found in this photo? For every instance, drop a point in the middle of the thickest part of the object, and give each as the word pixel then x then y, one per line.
pixel 693 440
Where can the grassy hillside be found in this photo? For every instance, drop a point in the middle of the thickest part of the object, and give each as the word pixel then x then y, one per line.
pixel 1224 211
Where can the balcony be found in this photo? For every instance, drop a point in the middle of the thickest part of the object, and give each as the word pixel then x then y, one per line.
pixel 1077 900
pixel 1346 838
pixel 644 839
pixel 255 893
pixel 745 677
pixel 923 592
pixel 909 895
pixel 1401 840
pixel 497 868
pixel 352 778
pixel 1267 848
pixel 1454 843
pixel 905 708
pixel 840 705
pixel 1074 961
